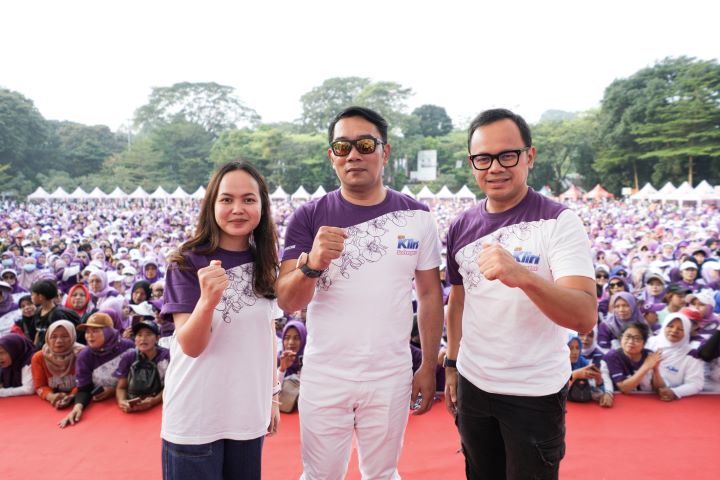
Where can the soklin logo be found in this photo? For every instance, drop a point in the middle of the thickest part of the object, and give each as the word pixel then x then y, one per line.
pixel 528 259
pixel 407 246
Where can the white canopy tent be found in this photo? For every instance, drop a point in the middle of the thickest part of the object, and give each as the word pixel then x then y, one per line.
pixel 279 194
pixel 97 193
pixel 465 194
pixel 78 194
pixel 39 194
pixel 59 194
pixel 684 193
pixel 179 193
pixel 444 193
pixel 644 193
pixel 664 191
pixel 139 193
pixel 300 194
pixel 117 194
pixel 198 194
pixel 160 194
pixel 406 190
pixel 704 188
pixel 425 194
pixel 320 192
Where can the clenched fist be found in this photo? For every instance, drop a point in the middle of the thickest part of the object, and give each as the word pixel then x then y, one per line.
pixel 213 282
pixel 496 263
pixel 327 246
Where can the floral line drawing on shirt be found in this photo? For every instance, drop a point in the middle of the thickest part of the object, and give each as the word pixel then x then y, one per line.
pixel 468 257
pixel 239 292
pixel 363 245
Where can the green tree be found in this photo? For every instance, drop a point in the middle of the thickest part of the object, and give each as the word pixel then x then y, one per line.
pixel 323 102
pixel 78 149
pixel 24 134
pixel 214 106
pixel 432 121
pixel 660 123
pixel 183 153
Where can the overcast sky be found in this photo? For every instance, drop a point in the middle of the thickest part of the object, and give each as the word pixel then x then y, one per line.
pixel 95 62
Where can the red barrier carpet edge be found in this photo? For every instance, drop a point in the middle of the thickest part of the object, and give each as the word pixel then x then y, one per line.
pixel 640 438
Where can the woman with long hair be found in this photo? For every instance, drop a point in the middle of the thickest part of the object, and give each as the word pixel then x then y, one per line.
pixel 219 399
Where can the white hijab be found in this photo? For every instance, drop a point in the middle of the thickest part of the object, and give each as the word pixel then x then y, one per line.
pixel 672 352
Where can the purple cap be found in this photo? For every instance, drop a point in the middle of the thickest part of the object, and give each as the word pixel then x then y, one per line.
pixel 651 307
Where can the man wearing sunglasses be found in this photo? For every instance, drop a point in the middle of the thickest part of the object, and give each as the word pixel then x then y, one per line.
pixel 351 258
pixel 522 275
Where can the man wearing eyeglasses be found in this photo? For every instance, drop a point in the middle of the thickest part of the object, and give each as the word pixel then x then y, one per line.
pixel 522 275
pixel 351 257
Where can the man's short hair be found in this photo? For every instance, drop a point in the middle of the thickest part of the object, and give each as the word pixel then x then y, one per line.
pixel 370 115
pixel 46 288
pixel 496 114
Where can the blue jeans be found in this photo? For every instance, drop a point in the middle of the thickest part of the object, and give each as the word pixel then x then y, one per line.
pixel 222 459
pixel 510 437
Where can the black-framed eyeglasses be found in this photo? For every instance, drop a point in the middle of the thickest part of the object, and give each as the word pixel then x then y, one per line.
pixel 363 146
pixel 506 159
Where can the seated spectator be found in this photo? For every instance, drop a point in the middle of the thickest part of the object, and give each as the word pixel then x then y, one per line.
pixel 43 294
pixel 53 367
pixel 157 290
pixel 290 363
pixel 682 375
pixel 602 275
pixel 96 364
pixel 590 348
pixel 654 290
pixel 30 273
pixel 141 372
pixel 25 325
pixel 689 275
pixel 140 292
pixel 649 312
pixel 9 276
pixel 16 352
pixel 586 381
pixel 623 310
pixel 615 285
pixel 99 288
pixel 632 367
pixel 151 272
pixel 7 303
pixel 674 300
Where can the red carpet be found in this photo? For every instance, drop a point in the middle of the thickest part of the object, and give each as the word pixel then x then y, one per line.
pixel 640 438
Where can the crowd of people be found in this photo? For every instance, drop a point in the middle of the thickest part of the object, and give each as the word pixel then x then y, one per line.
pixel 657 271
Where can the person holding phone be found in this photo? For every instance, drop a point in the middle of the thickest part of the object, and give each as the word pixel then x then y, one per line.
pixel 96 364
pixel 146 335
pixel 221 386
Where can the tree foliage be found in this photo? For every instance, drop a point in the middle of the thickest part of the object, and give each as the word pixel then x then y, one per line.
pixel 214 106
pixel 430 121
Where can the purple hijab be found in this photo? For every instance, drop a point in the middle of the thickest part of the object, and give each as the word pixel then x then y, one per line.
pixel 7 304
pixel 302 331
pixel 615 325
pixel 21 351
pixel 91 358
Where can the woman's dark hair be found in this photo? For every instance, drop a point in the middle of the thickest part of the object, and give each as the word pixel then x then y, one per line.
pixel 641 327
pixel 370 115
pixel 263 241
pixel 46 288
pixel 24 298
pixel 495 115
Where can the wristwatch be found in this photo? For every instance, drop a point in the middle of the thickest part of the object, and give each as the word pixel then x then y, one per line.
pixel 302 264
pixel 449 363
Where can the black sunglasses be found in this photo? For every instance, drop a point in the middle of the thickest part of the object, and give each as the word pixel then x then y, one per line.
pixel 601 276
pixel 616 284
pixel 363 146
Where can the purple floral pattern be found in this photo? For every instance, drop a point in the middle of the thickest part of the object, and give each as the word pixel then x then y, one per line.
pixel 367 242
pixel 239 293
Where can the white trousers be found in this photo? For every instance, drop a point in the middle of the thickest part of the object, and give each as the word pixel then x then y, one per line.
pixel 331 410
